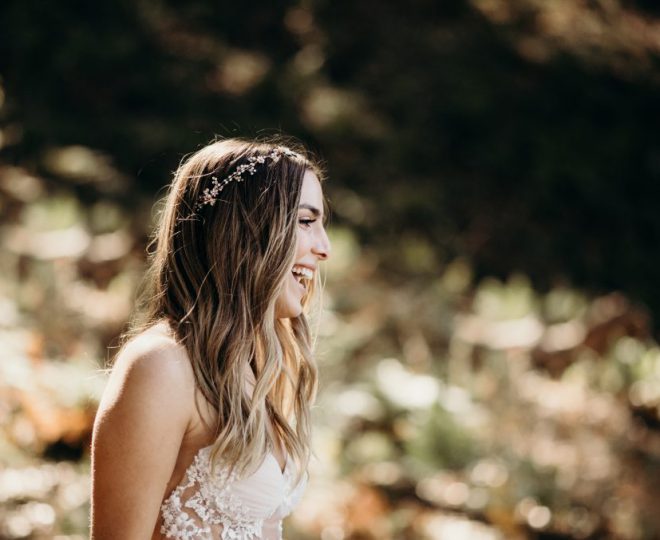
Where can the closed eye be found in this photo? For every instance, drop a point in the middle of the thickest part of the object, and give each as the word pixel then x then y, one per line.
pixel 306 222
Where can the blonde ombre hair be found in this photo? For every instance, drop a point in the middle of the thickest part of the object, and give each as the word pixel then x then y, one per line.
pixel 215 274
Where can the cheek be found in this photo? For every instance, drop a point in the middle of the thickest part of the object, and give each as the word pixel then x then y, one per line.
pixel 301 242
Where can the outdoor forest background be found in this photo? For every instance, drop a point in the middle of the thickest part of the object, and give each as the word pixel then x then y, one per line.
pixel 489 357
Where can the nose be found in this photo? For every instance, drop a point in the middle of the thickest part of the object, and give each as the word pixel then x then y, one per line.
pixel 321 247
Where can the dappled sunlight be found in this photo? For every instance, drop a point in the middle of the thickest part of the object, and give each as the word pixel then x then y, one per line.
pixel 239 72
pixel 47 404
pixel 334 109
pixel 609 33
pixel 84 165
pixel 35 498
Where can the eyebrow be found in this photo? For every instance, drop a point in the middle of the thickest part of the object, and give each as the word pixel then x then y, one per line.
pixel 315 211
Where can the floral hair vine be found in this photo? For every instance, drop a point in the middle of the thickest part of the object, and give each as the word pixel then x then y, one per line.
pixel 210 194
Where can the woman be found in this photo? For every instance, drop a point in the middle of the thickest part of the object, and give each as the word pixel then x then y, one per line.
pixel 204 428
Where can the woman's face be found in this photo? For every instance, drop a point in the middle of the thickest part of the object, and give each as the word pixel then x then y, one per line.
pixel 312 247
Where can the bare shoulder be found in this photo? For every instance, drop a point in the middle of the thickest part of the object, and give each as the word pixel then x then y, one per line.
pixel 142 420
pixel 155 350
pixel 151 380
pixel 154 363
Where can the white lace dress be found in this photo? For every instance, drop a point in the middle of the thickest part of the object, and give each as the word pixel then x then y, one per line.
pixel 207 506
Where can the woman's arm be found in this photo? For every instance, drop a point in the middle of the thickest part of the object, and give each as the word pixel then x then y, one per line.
pixel 141 421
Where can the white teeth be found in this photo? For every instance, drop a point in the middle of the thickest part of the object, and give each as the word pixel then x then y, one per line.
pixel 302 272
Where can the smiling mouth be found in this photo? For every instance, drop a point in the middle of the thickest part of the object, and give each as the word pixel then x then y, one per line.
pixel 302 275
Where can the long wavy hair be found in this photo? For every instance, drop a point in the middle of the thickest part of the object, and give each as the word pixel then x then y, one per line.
pixel 214 276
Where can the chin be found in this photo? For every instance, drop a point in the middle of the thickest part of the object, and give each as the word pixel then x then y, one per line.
pixel 289 305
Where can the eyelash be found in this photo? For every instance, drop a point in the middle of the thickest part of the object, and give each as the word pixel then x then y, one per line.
pixel 306 222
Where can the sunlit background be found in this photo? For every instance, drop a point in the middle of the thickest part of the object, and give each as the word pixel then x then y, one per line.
pixel 488 351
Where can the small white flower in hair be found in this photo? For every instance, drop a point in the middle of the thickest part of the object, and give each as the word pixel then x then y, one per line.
pixel 210 194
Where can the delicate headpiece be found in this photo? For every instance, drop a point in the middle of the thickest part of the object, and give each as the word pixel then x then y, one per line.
pixel 210 194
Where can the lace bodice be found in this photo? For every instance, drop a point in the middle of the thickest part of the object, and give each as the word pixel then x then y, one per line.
pixel 221 505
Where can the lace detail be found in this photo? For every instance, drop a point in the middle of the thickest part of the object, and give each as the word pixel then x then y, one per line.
pixel 221 505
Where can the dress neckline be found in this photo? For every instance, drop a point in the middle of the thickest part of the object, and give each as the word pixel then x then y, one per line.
pixel 277 463
pixel 218 503
pixel 269 453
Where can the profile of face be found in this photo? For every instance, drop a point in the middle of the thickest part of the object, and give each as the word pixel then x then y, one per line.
pixel 312 248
